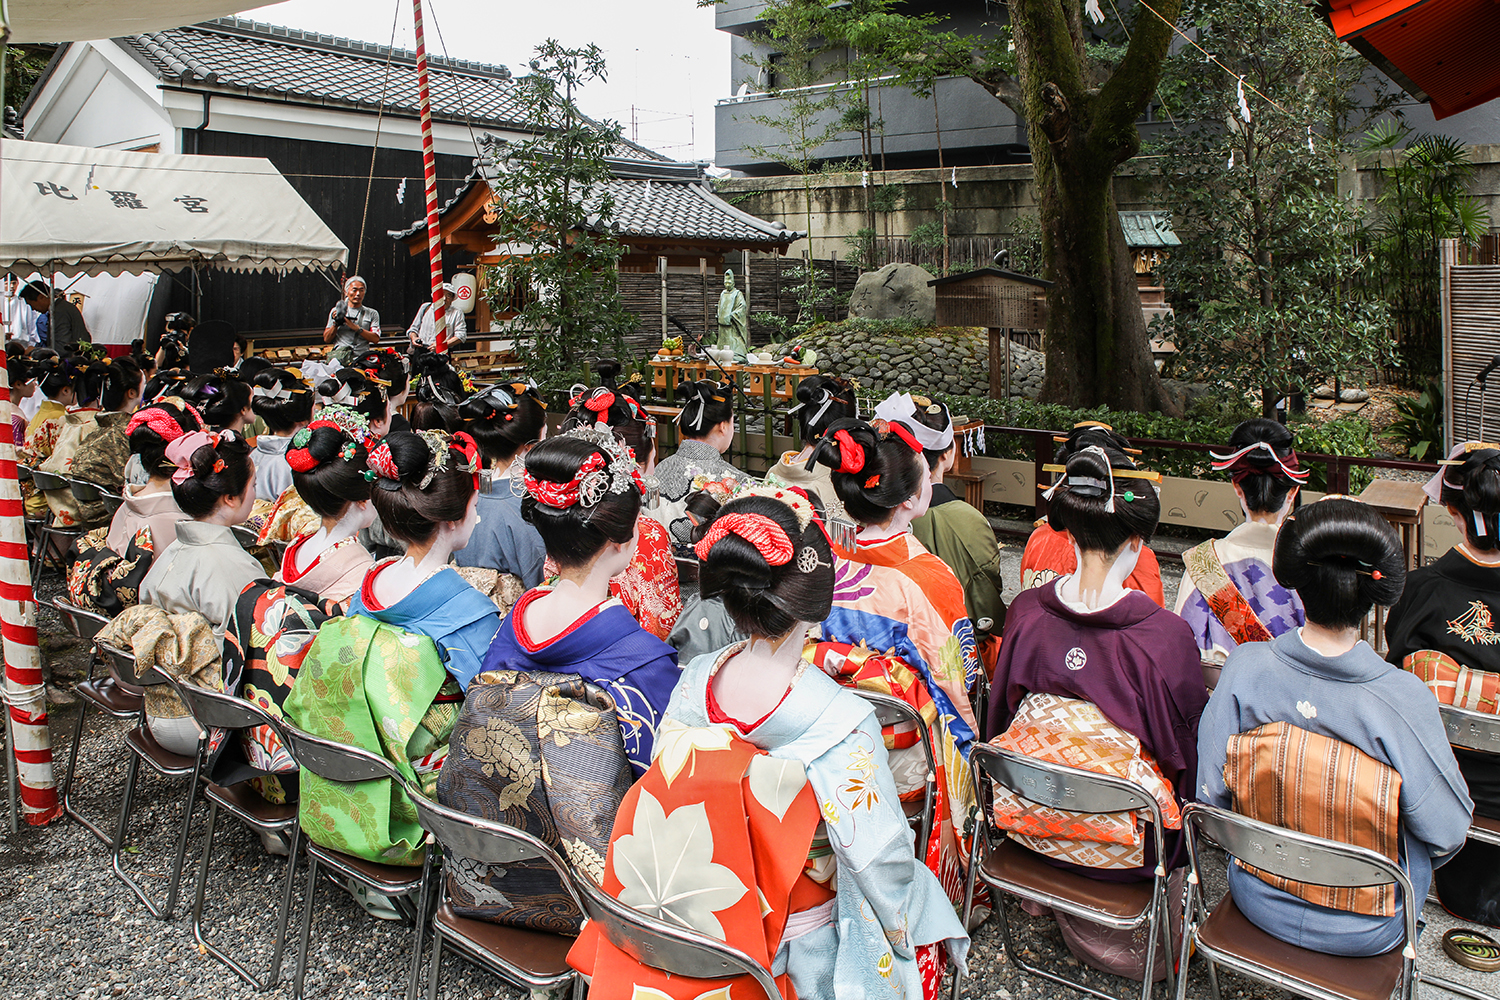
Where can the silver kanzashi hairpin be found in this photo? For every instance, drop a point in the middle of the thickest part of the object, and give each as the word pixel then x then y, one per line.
pixel 807 560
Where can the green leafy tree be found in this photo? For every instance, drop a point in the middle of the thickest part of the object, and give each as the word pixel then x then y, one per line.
pixel 1269 284
pixel 554 218
pixel 1423 198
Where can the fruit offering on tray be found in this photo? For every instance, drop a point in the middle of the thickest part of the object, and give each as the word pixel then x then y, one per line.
pixel 671 347
pixel 800 355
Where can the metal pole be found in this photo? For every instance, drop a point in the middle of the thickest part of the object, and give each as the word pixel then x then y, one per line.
pixel 661 273
pixel 429 172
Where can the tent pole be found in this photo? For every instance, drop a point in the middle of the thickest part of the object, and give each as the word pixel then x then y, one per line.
pixel 429 172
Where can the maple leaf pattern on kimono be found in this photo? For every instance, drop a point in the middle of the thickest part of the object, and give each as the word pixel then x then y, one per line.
pixel 666 867
pixel 677 744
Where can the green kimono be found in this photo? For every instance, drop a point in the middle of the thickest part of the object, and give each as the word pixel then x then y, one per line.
pixel 367 684
pixel 960 536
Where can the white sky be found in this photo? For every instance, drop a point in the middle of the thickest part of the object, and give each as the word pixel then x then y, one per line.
pixel 663 56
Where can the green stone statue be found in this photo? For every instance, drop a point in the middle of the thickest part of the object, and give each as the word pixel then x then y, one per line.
pixel 734 318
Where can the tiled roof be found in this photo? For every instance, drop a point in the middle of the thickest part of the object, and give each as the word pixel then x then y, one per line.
pixel 1148 229
pixel 265 59
pixel 652 198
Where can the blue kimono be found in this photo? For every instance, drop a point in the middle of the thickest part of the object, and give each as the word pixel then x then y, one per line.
pixel 502 539
pixel 888 903
pixel 1361 700
pixel 608 647
pixel 459 619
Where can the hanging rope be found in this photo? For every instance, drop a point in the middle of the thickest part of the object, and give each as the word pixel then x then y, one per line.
pixel 463 105
pixel 364 216
pixel 1213 58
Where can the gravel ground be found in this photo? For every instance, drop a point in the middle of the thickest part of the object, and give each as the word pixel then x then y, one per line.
pixel 69 928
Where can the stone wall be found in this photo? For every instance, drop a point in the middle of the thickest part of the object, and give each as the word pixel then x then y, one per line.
pixel 943 361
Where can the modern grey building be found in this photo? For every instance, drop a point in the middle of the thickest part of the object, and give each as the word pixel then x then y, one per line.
pixel 976 129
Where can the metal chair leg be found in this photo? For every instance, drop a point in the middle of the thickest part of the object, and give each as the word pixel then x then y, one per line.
pixel 69 808
pixel 283 915
pixel 434 973
pixel 179 861
pixel 424 915
pixel 305 931
pixel 12 774
pixel 979 845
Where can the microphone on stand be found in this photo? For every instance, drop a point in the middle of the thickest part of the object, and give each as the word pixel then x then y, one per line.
pixel 1488 370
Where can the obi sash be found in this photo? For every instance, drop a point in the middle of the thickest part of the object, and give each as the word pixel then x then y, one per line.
pixel 1454 684
pixel 1223 597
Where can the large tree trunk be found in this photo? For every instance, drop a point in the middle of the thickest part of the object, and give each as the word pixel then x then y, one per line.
pixel 1097 352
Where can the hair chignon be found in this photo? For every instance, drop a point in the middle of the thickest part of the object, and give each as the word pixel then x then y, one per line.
pixel 1342 557
pixel 1082 509
pixel 768 600
pixel 873 473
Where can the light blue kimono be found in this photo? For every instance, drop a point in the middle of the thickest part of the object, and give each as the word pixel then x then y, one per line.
pixel 888 903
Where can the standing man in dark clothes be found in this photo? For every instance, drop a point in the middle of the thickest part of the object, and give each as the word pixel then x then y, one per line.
pixel 65 326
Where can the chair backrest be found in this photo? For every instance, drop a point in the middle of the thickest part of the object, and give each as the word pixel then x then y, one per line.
pixel 1060 786
pixel 1471 730
pixel 1298 856
pixel 671 948
pixel 891 711
pixel 217 710
pixel 247 537
pixel 465 836
pixel 82 623
pixel 48 480
pixel 87 492
pixel 122 664
pixel 335 761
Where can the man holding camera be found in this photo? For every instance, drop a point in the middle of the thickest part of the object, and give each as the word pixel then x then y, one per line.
pixel 351 324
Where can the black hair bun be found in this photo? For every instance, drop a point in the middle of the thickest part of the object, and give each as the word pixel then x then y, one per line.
pixel 1342 557
pixel 770 568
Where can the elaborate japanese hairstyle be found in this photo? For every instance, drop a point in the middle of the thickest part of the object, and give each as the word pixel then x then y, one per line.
pixel 109 382
pixel 209 465
pixel 1092 432
pixel 705 405
pixel 282 398
pixel 55 374
pixel 1469 482
pixel 1262 463
pixel 361 393
pixel 389 365
pixel 582 490
pixel 424 478
pixel 504 418
pixel 330 469
pixel 166 382
pixel 220 396
pixel 927 419
pixel 156 425
pixel 821 400
pixel 615 407
pixel 874 471
pixel 1103 501
pixel 1342 557
pixel 767 554
pixel 439 389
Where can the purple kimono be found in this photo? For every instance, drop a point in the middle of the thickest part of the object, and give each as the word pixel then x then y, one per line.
pixel 1133 659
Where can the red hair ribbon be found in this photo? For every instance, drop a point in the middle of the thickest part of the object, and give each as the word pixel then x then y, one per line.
pixel 180 452
pixel 851 453
pixel 301 460
pixel 384 463
pixel 159 420
pixel 599 402
pixel 464 442
pixel 562 495
pixel 900 430
pixel 769 538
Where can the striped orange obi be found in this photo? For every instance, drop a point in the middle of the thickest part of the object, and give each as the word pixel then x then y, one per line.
pixel 1282 774
pixel 1069 731
pixel 1455 684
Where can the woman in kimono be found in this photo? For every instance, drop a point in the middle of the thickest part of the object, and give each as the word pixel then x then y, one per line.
pixel 953 530
pixel 1443 629
pixel 648 587
pixel 583 496
pixel 328 470
pixel 706 423
pixel 364 395
pixel 57 379
pixel 223 398
pixel 391 367
pixel 1049 552
pixel 821 399
pixel 806 857
pixel 205 568
pixel 1088 637
pixel 95 448
pixel 505 421
pixel 1228 593
pixel 1342 558
pixel 284 400
pixel 894 596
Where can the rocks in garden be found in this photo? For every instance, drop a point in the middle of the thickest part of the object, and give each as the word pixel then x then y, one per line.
pixel 896 291
pixel 1324 391
pixel 1354 396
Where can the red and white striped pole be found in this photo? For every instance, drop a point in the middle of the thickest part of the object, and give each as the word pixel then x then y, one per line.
pixel 25 695
pixel 429 173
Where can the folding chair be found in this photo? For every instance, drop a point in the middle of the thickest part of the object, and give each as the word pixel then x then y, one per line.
pixel 223 711
pixel 1010 868
pixel 87 492
pixel 537 960
pixel 109 694
pixel 1227 938
pixel 46 530
pixel 890 711
pixel 338 762
pixel 144 748
pixel 1475 731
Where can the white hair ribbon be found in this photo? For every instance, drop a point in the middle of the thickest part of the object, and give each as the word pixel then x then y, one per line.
pixel 898 406
pixel 277 392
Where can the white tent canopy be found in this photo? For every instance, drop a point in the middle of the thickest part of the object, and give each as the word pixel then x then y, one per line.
pixel 81 20
pixel 102 211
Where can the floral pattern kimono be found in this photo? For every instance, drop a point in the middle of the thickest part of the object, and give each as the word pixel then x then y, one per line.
pixel 648 588
pixel 895 597
pixel 872 938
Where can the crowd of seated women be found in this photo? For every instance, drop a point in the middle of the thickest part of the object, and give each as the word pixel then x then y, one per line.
pixel 494 607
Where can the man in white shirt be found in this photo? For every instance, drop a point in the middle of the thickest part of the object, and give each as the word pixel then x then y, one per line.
pixel 16 317
pixel 423 329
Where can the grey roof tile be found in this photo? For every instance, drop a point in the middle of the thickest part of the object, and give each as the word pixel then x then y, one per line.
pixel 1148 229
